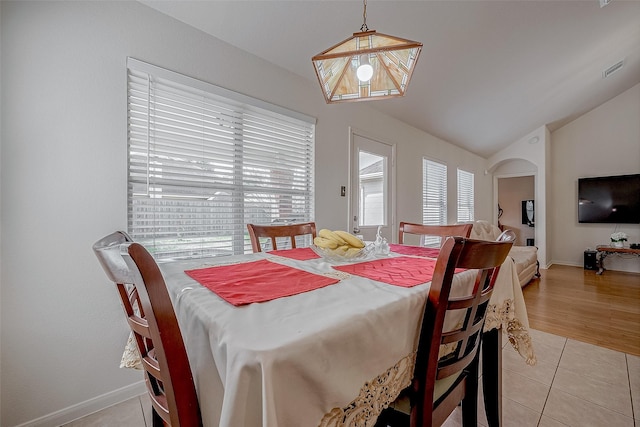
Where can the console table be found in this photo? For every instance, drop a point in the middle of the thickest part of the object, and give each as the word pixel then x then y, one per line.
pixel 604 250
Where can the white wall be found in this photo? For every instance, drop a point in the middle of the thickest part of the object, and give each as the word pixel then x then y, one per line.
pixel 603 142
pixel 509 162
pixel 0 197
pixel 409 182
pixel 63 183
pixel 512 191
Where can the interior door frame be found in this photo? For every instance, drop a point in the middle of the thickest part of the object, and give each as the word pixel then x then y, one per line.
pixel 393 235
pixel 496 195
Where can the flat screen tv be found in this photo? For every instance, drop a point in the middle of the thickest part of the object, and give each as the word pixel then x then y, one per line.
pixel 609 199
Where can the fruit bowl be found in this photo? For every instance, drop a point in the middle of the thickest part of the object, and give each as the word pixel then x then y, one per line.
pixel 338 255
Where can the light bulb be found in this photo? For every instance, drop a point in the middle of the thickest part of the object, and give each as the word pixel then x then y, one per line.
pixel 365 70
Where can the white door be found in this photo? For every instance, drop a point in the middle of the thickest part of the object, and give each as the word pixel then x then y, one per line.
pixel 372 201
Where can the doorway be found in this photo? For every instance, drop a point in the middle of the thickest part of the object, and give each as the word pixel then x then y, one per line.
pixel 372 176
pixel 516 196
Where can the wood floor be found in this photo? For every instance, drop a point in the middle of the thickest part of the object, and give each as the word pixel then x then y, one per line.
pixel 576 303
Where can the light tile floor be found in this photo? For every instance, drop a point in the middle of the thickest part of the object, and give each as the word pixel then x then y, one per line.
pixel 573 384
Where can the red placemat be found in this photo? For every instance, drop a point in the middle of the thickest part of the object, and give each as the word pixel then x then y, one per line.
pixel 257 281
pixel 301 254
pixel 415 250
pixel 399 271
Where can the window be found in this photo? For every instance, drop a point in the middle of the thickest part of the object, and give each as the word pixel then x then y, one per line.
pixel 372 179
pixel 465 196
pixel 434 198
pixel 204 161
pixel 434 192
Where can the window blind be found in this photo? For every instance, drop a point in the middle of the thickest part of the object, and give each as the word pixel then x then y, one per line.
pixel 434 197
pixel 204 161
pixel 465 196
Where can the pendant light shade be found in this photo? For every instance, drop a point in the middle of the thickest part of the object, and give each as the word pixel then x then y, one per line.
pixel 366 66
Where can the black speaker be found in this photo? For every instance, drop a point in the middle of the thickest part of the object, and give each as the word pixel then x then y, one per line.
pixel 590 262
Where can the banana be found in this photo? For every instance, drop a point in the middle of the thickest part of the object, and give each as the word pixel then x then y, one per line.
pixel 352 251
pixel 325 243
pixel 339 242
pixel 328 234
pixel 351 240
pixel 343 249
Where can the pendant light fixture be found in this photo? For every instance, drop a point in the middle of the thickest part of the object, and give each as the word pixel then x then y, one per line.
pixel 366 66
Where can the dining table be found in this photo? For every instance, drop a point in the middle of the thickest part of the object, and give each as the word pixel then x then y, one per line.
pixel 293 338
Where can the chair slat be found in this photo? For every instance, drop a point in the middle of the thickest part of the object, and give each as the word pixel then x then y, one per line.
pixel 272 232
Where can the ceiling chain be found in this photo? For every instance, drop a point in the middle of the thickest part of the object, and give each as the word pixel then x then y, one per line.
pixel 364 17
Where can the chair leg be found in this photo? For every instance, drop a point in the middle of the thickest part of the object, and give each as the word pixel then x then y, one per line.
pixel 391 418
pixel 156 420
pixel 470 400
pixel 492 376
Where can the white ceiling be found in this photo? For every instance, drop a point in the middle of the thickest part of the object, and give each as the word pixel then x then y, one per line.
pixel 489 73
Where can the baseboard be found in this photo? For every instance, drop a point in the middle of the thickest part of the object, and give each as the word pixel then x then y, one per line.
pixel 87 407
pixel 567 263
pixel 618 269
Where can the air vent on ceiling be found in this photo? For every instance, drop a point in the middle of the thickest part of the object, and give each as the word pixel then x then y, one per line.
pixel 606 73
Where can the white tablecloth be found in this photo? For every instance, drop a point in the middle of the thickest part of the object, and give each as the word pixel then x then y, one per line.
pixel 332 356
pixel 507 311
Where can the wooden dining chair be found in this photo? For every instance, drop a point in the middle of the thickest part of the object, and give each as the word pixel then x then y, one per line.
pixel 272 232
pixel 446 370
pixel 152 320
pixel 441 231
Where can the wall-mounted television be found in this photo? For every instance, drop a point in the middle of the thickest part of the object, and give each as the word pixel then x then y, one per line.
pixel 609 199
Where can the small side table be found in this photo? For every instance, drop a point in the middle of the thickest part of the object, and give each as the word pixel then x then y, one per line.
pixel 604 250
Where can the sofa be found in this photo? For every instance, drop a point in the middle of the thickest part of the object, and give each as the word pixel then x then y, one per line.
pixel 525 258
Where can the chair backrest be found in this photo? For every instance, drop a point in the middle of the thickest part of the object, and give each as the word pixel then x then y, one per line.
pixel 275 231
pixel 448 354
pixel 441 231
pixel 152 320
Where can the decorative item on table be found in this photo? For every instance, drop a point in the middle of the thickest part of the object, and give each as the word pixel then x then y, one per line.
pixel 380 244
pixel 339 246
pixel 618 238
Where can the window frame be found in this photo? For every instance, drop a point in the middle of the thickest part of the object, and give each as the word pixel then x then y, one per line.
pixel 253 154
pixel 434 192
pixel 466 195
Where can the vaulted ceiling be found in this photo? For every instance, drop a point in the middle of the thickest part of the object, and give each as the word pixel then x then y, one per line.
pixel 489 72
